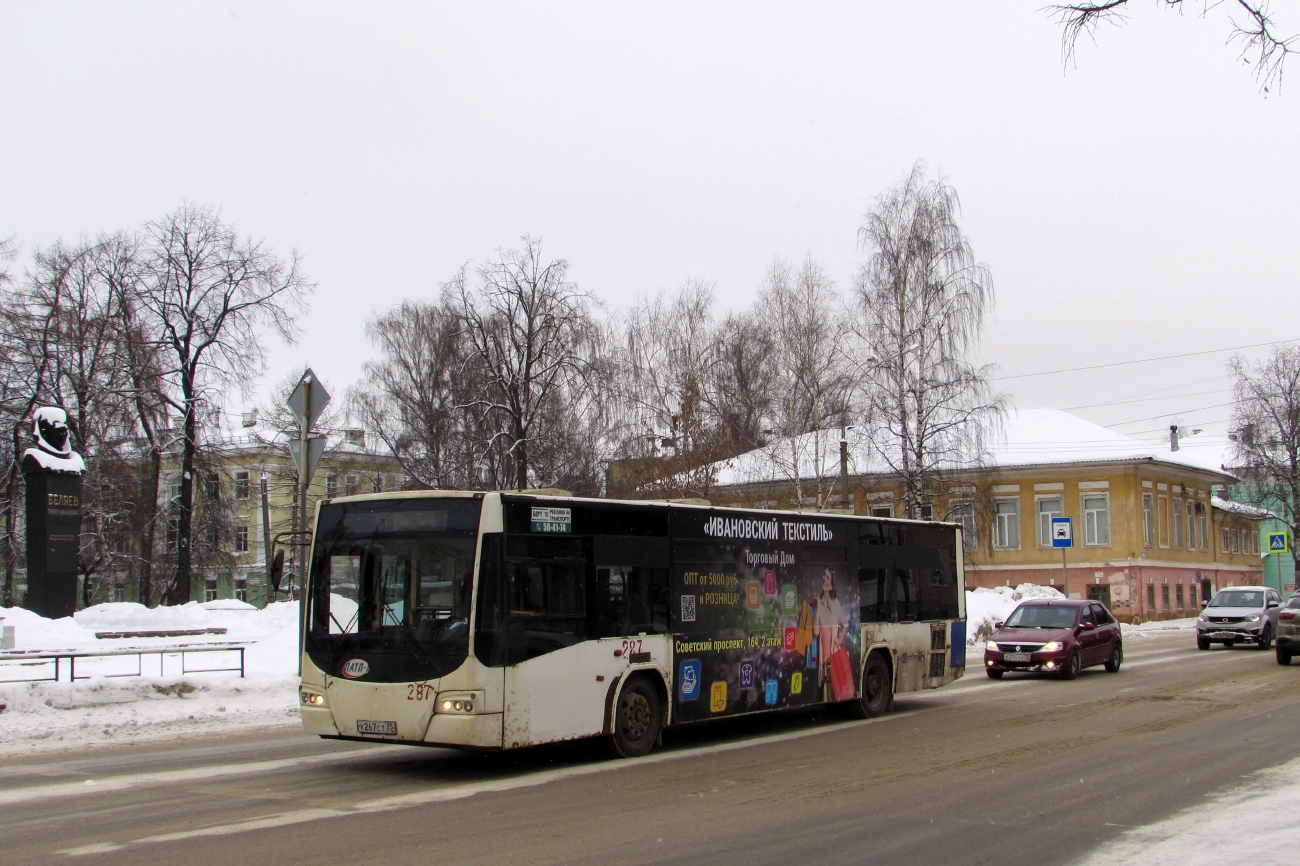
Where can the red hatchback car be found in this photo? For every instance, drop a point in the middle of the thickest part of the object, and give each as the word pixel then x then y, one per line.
pixel 1061 636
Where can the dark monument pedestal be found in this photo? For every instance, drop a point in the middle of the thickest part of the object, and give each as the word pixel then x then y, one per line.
pixel 53 539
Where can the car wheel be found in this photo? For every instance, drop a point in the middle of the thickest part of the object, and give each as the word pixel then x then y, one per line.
pixel 1283 658
pixel 1072 666
pixel 1266 638
pixel 994 673
pixel 637 719
pixel 1202 643
pixel 1229 643
pixel 1116 659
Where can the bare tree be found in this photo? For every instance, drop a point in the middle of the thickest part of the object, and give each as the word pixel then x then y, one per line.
pixel 410 397
pixel 1253 28
pixel 533 345
pixel 669 370
pixel 811 337
pixel 206 296
pixel 1266 422
pixel 922 298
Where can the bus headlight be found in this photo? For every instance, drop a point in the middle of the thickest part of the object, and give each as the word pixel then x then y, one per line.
pixel 311 699
pixel 459 703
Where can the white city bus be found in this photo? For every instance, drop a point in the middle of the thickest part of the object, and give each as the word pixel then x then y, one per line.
pixel 503 620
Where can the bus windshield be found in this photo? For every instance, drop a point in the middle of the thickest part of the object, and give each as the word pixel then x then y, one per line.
pixel 391 583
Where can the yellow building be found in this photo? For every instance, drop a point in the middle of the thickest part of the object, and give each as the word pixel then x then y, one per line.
pixel 230 530
pixel 1150 538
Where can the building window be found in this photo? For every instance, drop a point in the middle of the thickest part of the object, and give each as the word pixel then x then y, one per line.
pixel 1151 598
pixel 175 492
pixel 1236 541
pixel 1048 507
pixel 242 484
pixel 1096 520
pixel 964 513
pixel 241 539
pixel 882 511
pixel 1205 531
pixel 1178 596
pixel 378 484
pixel 1006 527
pixel 1148 520
pixel 351 485
pixel 925 511
pixel 212 486
pixel 1223 539
pixel 209 590
pixel 1164 596
pixel 1191 525
pixel 1178 523
pixel 1162 515
pixel 210 537
pixel 241 589
pixel 332 485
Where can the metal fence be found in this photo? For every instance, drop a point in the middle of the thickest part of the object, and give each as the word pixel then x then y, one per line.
pixel 38 666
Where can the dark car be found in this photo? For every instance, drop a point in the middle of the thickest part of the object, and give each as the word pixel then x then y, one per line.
pixel 1060 636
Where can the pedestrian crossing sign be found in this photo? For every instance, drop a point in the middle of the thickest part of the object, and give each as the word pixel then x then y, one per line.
pixel 1277 543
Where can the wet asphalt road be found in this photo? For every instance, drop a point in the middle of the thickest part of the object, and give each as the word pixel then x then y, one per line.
pixel 1028 770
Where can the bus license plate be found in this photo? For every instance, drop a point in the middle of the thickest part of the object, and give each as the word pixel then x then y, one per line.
pixel 1016 657
pixel 380 729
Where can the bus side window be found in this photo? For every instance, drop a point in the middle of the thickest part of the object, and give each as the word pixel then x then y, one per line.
pixel 905 596
pixel 490 621
pixel 871 594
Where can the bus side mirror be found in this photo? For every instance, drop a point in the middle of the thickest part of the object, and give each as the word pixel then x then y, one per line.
pixel 277 571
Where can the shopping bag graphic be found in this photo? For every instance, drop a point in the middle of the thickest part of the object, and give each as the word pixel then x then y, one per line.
pixel 803 629
pixel 841 675
pixel 812 653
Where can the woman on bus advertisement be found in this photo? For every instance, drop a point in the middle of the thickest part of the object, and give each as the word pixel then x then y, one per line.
pixel 831 625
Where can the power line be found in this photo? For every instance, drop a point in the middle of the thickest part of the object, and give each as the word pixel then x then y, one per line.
pixel 1142 360
pixel 1167 415
pixel 1148 399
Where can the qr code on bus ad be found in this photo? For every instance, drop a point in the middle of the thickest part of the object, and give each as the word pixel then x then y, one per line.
pixel 688 608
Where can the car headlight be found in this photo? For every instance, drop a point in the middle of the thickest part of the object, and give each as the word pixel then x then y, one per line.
pixel 1053 646
pixel 1254 617
pixel 1202 618
pixel 992 646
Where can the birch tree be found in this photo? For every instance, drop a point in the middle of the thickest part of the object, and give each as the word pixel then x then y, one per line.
pixel 1266 423
pixel 922 298
pixel 811 336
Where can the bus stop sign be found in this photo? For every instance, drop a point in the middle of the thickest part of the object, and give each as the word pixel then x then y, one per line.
pixel 1062 532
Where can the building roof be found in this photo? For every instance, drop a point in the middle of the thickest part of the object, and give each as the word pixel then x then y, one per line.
pixel 1241 509
pixel 1030 437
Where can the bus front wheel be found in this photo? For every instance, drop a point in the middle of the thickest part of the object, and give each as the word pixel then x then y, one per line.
pixel 638 718
pixel 877 689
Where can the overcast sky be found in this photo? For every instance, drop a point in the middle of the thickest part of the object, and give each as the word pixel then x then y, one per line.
pixel 1141 202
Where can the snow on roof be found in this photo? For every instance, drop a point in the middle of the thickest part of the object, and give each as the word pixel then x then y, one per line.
pixel 1241 508
pixel 1030 437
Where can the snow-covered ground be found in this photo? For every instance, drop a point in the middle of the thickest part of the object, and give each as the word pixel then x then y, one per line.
pixel 47 715
pixel 1256 823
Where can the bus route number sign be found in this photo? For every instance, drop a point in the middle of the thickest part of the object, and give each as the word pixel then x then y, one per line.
pixel 552 520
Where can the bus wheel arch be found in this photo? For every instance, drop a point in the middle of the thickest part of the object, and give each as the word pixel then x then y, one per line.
pixel 877 693
pixel 637 717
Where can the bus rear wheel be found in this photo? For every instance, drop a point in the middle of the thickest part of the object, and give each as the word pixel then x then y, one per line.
pixel 877 690
pixel 638 718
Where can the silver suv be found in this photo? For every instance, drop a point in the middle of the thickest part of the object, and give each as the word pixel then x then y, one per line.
pixel 1239 614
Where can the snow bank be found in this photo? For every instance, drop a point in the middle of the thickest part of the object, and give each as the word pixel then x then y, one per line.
pixel 984 607
pixel 161 704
